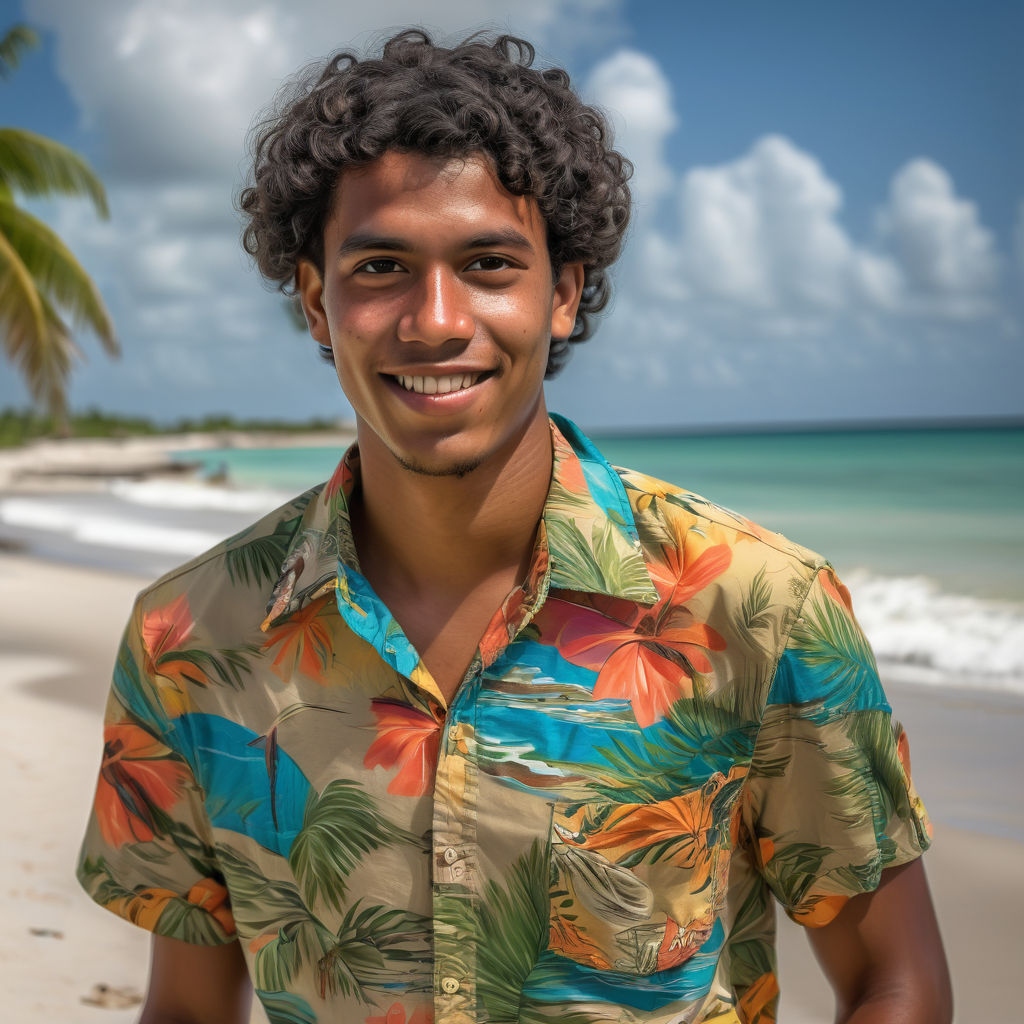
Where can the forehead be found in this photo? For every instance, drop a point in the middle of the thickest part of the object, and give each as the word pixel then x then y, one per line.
pixel 403 192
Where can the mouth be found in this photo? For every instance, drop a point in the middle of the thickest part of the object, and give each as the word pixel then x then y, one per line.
pixel 441 384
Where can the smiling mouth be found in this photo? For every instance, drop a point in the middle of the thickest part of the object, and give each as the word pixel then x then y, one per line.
pixel 438 385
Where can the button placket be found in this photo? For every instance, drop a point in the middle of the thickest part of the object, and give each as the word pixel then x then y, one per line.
pixel 455 875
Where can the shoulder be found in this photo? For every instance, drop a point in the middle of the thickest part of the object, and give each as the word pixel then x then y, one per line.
pixel 656 502
pixel 241 569
pixel 678 525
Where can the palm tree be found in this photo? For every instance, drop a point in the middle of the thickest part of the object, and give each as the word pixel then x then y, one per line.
pixel 40 279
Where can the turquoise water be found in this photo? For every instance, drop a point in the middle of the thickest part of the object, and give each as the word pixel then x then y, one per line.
pixel 946 504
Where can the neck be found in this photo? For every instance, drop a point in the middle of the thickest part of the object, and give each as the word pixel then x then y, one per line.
pixel 429 533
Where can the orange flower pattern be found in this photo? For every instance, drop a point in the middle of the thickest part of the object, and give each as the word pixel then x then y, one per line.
pixel 139 782
pixel 408 738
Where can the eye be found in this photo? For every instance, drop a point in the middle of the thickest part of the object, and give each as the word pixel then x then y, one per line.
pixel 489 263
pixel 381 265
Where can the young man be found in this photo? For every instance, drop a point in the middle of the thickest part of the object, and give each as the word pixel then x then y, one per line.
pixel 484 729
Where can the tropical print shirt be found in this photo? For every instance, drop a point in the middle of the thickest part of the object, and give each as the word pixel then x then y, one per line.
pixel 673 722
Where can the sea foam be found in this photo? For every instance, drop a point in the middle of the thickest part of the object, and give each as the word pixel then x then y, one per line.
pixel 920 633
pixel 177 494
pixel 102 528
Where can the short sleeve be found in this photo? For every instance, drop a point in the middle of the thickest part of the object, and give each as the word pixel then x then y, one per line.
pixel 148 854
pixel 829 802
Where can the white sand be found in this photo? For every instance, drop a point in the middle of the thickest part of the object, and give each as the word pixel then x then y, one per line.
pixel 58 463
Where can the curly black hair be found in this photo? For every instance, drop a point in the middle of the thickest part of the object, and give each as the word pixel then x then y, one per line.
pixel 479 96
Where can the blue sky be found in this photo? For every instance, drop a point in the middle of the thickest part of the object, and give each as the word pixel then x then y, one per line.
pixel 830 201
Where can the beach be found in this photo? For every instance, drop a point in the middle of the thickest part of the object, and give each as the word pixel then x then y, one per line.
pixel 60 621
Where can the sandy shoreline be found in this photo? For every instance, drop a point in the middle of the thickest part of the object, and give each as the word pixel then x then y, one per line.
pixel 59 628
pixel 58 464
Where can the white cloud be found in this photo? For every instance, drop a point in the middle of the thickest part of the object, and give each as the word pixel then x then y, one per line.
pixel 760 243
pixel 637 97
pixel 761 234
pixel 751 274
pixel 948 258
pixel 172 85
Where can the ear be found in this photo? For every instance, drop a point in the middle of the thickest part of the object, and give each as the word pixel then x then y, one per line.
pixel 568 292
pixel 310 292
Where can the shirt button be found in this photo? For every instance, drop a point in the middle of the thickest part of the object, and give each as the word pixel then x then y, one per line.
pixel 451 855
pixel 449 986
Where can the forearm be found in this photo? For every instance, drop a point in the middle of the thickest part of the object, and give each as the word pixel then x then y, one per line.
pixel 899 1006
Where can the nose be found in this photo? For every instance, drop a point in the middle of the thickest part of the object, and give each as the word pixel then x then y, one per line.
pixel 437 310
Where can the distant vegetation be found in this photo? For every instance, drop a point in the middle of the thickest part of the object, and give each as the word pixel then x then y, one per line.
pixel 20 425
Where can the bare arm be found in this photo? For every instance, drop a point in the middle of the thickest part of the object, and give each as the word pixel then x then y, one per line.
pixel 883 954
pixel 196 984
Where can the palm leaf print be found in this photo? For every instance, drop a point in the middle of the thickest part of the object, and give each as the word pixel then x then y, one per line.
pixel 339 828
pixel 258 561
pixel 576 554
pixel 513 929
pixel 286 1008
pixel 373 943
pixel 596 564
pixel 698 738
pixel 369 952
pixel 829 641
pixel 871 787
pixel 754 610
pixel 750 957
pixel 227 666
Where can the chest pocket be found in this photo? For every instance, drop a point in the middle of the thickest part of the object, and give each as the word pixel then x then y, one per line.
pixel 638 887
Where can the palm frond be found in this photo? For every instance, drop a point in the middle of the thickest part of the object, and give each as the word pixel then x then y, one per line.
pixel 13 44
pixel 22 316
pixel 258 561
pixel 628 577
pixel 376 947
pixel 697 738
pixel 37 166
pixel 45 359
pixel 286 1008
pixel 829 642
pixel 512 934
pixel 299 941
pixel 574 550
pixel 870 783
pixel 228 665
pixel 258 902
pixel 183 920
pixel 56 272
pixel 754 609
pixel 341 825
pixel 793 869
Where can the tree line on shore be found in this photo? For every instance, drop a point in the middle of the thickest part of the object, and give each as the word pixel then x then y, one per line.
pixel 20 425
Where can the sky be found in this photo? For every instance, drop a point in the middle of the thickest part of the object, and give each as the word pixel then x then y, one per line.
pixel 829 201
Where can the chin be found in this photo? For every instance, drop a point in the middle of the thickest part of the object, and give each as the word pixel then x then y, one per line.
pixel 446 467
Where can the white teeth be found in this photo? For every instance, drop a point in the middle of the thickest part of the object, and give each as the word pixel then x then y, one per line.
pixel 438 385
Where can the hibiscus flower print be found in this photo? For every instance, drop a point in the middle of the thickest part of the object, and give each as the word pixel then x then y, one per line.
pixel 140 781
pixel 409 738
pixel 649 657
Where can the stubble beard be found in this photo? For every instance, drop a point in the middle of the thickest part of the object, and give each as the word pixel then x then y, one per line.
pixel 456 469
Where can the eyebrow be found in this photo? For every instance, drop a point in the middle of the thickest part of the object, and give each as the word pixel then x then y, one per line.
pixel 502 238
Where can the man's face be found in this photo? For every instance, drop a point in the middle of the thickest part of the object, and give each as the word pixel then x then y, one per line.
pixel 438 302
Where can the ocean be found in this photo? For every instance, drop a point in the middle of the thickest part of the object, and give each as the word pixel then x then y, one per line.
pixel 925 526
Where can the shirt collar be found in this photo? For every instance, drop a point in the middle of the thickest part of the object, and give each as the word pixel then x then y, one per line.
pixel 589 530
